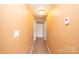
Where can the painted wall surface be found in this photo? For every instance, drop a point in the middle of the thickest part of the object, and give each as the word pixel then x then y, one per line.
pixel 19 19
pixel 63 38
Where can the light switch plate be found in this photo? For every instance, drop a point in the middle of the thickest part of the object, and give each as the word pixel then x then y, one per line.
pixel 16 33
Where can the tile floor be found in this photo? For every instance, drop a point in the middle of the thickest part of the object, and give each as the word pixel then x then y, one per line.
pixel 40 47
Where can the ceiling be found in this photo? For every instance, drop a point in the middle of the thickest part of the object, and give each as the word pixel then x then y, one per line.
pixel 36 7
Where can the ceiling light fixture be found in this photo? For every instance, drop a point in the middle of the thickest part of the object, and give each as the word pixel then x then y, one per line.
pixel 42 12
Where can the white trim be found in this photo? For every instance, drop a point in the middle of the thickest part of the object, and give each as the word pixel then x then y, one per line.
pixel 48 48
pixel 46 45
pixel 32 47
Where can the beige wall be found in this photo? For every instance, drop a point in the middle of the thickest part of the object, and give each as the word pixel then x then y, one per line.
pixel 15 17
pixel 63 38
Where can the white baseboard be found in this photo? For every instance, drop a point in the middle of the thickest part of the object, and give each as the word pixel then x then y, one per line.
pixel 32 47
pixel 48 48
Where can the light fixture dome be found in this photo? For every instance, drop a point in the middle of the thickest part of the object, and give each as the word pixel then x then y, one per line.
pixel 41 12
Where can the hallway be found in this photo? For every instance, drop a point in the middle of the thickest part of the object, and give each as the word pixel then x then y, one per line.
pixel 39 28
